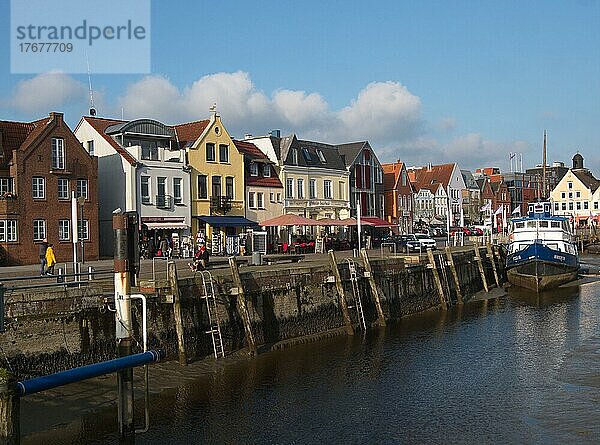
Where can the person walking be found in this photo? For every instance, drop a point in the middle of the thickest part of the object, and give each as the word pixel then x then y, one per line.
pixel 50 260
pixel 42 253
pixel 163 246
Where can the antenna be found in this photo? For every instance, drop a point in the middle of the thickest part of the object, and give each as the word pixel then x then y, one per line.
pixel 92 108
pixel 544 169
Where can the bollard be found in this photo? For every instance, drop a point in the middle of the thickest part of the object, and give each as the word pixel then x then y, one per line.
pixel 374 290
pixel 172 273
pixel 9 410
pixel 241 306
pixel 341 294
pixel 90 273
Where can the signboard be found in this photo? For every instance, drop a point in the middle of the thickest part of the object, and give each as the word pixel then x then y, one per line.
pixel 232 245
pixel 319 246
pixel 259 242
pixel 216 243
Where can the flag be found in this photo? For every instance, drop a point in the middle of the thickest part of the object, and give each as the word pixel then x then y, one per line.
pixel 486 207
pixel 516 211
pixel 498 212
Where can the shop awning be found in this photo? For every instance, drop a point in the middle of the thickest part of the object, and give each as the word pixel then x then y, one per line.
pixel 165 225
pixel 227 221
pixel 376 222
pixel 289 220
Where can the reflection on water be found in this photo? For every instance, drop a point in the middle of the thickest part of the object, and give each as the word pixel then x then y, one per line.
pixel 520 368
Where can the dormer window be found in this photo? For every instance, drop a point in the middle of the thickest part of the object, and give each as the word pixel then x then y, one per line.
pixel 267 171
pixel 295 156
pixel 306 154
pixel 253 169
pixel 321 157
pixel 58 153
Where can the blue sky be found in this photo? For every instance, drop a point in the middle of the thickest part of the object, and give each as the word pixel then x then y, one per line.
pixel 429 81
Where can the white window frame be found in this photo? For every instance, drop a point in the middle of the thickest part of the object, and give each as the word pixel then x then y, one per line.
pixel 145 198
pixel 272 197
pixel 178 190
pixel 260 200
pixel 82 188
pixel 90 147
pixel 38 189
pixel 226 151
pixel 289 188
pixel 58 154
pixel 300 187
pixel 267 171
pixel 6 185
pixel 83 230
pixel 253 169
pixel 251 200
pixel 64 229
pixel 66 190
pixel 12 232
pixel 39 226
pixel 326 183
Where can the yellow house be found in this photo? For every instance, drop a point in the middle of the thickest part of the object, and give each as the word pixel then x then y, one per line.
pixel 575 192
pixel 217 182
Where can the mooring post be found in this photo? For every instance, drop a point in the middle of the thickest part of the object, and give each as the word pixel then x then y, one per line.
pixel 124 335
pixel 341 294
pixel 241 306
pixel 10 431
pixel 436 279
pixel 173 281
pixel 480 265
pixel 450 259
pixel 374 290
pixel 490 253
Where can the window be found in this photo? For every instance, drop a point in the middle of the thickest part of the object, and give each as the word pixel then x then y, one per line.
pixel 571 206
pixel 210 152
pixel 216 186
pixel 578 194
pixel 307 154
pixel 63 188
pixel 267 171
pixel 161 186
pixel 2 230
pixel 177 196
pixel 82 188
pixel 90 147
pixel 327 192
pixel 253 169
pixel 554 224
pixel 570 195
pixel 289 188
pixel 229 187
pixel 595 205
pixel 64 230
pixel 300 188
pixel 278 197
pixel 260 200
pixel 251 202
pixel 39 229
pixel 312 189
pixel 149 150
pixel 563 195
pixel 403 178
pixel 321 157
pixel 202 187
pixel 586 205
pixel 563 206
pixel 39 187
pixel 83 229
pixel 6 185
pixel 11 230
pixel 224 153
pixel 570 185
pixel 295 156
pixel 272 197
pixel 556 206
pixel 145 189
pixel 58 153
pixel 342 188
pixel 578 205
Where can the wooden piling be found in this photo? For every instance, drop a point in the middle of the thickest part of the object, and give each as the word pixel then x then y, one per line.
pixel 373 285
pixel 454 275
pixel 436 279
pixel 9 410
pixel 490 252
pixel 480 265
pixel 172 274
pixel 341 294
pixel 241 306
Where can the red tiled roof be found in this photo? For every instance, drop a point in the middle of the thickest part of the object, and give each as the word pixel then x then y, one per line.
pixel 391 174
pixel 190 131
pixel 249 149
pixel 437 173
pixel 100 124
pixel 261 181
pixel 13 136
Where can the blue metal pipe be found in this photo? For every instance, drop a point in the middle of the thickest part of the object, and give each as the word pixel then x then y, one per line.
pixel 87 372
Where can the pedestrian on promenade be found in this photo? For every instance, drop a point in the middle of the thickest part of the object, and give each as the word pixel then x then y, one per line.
pixel 163 247
pixel 50 260
pixel 42 253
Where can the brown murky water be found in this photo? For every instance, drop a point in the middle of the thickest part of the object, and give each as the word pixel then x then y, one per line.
pixel 517 369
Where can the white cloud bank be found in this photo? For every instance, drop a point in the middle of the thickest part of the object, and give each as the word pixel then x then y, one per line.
pixel 386 114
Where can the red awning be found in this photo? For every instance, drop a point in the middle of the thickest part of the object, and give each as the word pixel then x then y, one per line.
pixel 376 222
pixel 289 220
pixel 330 222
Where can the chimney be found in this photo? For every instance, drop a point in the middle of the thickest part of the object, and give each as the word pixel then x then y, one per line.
pixel 247 135
pixel 58 117
pixel 275 133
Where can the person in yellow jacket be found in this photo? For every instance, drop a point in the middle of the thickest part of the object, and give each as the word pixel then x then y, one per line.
pixel 50 260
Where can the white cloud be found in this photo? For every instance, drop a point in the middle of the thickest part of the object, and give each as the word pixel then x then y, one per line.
pixel 48 91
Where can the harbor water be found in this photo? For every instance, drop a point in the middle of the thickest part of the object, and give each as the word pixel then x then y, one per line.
pixel 519 368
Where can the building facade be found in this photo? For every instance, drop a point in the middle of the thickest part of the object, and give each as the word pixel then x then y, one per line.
pixel 43 166
pixel 398 197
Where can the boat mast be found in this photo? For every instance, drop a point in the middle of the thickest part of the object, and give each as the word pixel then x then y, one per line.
pixel 544 169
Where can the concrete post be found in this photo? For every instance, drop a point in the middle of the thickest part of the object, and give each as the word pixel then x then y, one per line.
pixel 123 329
pixel 480 265
pixel 436 279
pixel 241 306
pixel 173 281
pixel 341 294
pixel 374 290
pixel 454 274
pixel 10 428
pixel 490 252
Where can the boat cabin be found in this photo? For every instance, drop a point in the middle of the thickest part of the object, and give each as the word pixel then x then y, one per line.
pixel 552 231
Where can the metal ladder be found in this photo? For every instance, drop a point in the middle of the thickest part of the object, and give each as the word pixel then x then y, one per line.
pixel 356 293
pixel 213 316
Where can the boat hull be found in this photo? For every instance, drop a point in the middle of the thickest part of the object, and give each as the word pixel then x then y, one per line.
pixel 540 268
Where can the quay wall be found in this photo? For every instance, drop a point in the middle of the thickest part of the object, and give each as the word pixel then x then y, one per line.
pixel 57 329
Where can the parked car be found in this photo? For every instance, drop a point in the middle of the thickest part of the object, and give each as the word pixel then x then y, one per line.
pixel 426 241
pixel 462 230
pixel 408 243
pixel 476 231
pixel 439 232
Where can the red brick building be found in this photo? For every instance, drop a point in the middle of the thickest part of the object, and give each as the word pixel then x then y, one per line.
pixel 399 196
pixel 41 164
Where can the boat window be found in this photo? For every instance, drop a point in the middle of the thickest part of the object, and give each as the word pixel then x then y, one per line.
pixel 553 246
pixel 519 225
pixel 543 223
pixel 531 224
pixel 565 226
pixel 555 224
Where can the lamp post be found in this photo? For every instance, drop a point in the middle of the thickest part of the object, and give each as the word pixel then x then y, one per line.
pixel 74 231
pixel 81 201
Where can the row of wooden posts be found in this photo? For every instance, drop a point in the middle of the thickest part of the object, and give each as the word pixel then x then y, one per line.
pixel 242 309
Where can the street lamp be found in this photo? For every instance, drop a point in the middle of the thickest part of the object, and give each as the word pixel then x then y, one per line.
pixel 81 202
